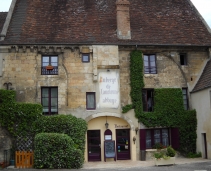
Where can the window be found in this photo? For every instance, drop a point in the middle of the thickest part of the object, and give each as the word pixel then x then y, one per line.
pixel 150 64
pixel 154 136
pixel 148 100
pixel 183 59
pixel 90 101
pixel 51 61
pixel 49 100
pixel 185 98
pixel 85 57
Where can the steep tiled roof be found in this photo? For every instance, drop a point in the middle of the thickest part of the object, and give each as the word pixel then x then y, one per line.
pixel 153 22
pixel 3 16
pixel 205 79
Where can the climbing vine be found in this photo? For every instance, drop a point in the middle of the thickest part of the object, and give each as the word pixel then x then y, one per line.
pixel 168 109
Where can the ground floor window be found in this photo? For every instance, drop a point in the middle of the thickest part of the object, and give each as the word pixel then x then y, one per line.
pixel 166 136
pixel 49 98
pixel 154 136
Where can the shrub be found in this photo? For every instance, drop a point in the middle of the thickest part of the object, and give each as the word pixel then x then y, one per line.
pixel 194 155
pixel 53 150
pixel 65 124
pixel 170 152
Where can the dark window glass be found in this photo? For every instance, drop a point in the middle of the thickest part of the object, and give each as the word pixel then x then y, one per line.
pixel 150 64
pixel 90 101
pixel 49 65
pixel 49 100
pixel 185 98
pixel 148 100
pixel 85 57
pixel 154 136
pixel 183 59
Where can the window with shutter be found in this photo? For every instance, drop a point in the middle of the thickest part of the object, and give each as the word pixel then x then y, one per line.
pixel 175 138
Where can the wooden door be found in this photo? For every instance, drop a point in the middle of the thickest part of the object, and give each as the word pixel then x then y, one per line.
pixel 123 144
pixel 94 145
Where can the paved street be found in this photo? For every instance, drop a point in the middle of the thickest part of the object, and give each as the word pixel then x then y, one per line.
pixel 182 164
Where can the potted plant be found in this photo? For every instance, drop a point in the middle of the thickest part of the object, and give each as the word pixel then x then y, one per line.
pixel 165 157
pixel 49 67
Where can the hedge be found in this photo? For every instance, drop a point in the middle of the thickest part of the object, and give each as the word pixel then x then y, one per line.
pixel 66 124
pixel 56 151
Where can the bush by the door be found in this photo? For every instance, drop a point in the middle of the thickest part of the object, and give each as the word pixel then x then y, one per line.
pixel 54 151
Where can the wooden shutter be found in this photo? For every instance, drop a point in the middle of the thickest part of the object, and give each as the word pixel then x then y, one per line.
pixel 175 138
pixel 142 139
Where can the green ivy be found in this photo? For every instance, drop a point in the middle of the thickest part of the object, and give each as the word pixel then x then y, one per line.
pixel 168 109
pixel 17 118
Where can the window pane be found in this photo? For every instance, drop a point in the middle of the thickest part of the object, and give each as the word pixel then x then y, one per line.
pixel 54 59
pixel 165 139
pixel 54 92
pixel 54 104
pixel 45 104
pixel 146 63
pixel 45 92
pixel 157 136
pixel 90 101
pixel 45 59
pixel 148 139
pixel 85 58
pixel 152 60
pixel 144 99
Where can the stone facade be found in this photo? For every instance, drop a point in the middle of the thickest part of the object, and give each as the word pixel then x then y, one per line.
pixel 22 67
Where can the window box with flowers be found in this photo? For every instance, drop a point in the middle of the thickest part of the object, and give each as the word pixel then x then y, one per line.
pixel 165 156
pixel 49 67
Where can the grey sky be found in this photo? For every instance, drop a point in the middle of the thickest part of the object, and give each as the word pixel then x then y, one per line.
pixel 203 6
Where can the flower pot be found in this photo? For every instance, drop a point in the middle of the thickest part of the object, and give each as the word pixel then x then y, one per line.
pixel 162 161
pixel 49 67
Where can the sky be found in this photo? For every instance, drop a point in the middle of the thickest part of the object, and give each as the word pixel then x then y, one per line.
pixel 203 6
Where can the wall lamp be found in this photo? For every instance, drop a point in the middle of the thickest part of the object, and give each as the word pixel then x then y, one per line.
pixel 106 124
pixel 136 130
pixel 134 139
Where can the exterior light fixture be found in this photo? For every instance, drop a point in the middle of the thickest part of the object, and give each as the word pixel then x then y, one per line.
pixel 134 139
pixel 136 130
pixel 106 124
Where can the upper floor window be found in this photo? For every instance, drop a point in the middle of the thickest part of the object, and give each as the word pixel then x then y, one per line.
pixel 183 59
pixel 49 65
pixel 148 100
pixel 85 57
pixel 150 64
pixel 90 101
pixel 49 98
pixel 185 98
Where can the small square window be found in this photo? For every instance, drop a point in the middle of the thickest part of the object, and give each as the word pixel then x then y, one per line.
pixel 85 57
pixel 90 101
pixel 183 59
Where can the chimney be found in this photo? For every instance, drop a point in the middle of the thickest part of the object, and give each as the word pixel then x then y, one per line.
pixel 123 19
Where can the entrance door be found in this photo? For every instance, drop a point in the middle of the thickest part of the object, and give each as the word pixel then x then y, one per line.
pixel 123 144
pixel 94 145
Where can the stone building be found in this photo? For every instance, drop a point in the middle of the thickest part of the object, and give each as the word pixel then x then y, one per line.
pixel 86 44
pixel 201 97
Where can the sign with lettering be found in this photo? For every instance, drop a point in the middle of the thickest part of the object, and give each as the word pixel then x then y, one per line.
pixel 109 89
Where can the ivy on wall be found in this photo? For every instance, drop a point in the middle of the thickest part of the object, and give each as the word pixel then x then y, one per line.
pixel 16 117
pixel 168 109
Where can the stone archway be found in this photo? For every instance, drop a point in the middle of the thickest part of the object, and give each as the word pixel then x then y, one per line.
pixel 111 114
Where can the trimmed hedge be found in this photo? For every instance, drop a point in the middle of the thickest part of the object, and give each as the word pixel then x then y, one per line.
pixel 56 151
pixel 66 124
